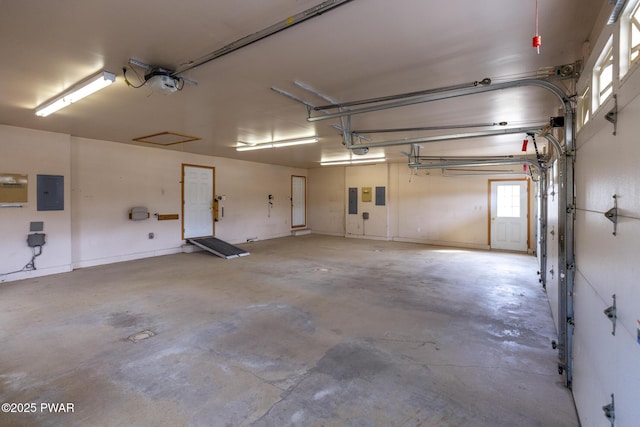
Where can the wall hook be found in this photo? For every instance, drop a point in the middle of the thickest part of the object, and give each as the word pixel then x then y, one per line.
pixel 612 214
pixel 610 411
pixel 612 116
pixel 611 313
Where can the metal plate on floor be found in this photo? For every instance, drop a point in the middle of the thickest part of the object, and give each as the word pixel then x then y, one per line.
pixel 139 336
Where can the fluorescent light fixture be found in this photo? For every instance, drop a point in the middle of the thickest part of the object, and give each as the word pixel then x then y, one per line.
pixel 277 144
pixel 76 93
pixel 353 162
pixel 300 141
pixel 254 147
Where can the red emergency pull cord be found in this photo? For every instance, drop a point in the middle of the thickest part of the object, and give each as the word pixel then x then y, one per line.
pixel 537 39
pixel 524 144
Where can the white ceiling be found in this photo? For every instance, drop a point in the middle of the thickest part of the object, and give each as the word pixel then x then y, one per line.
pixel 362 49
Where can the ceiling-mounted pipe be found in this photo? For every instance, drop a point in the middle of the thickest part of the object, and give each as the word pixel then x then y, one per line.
pixel 450 94
pixel 428 128
pixel 446 172
pixel 259 35
pixel 345 124
pixel 477 163
pixel 480 172
pixel 471 171
pixel 309 89
pixel 293 97
pixel 462 158
pixel 439 138
pixel 484 81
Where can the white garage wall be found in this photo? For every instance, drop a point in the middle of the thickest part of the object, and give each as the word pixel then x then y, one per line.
pixel 377 226
pixel 326 200
pixel 429 209
pixel 110 178
pixel 247 186
pixel 104 180
pixel 442 210
pixel 605 364
pixel 32 153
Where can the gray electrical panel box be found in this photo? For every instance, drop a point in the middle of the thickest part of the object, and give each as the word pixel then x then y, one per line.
pixel 353 201
pixel 50 193
pixel 380 196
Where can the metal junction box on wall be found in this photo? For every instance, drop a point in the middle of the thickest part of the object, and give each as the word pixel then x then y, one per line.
pixel 50 193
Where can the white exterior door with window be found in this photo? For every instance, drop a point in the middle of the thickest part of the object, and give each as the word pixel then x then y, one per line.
pixel 509 215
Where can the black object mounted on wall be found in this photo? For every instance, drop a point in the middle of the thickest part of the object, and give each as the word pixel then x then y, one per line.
pixel 50 192
pixel 353 200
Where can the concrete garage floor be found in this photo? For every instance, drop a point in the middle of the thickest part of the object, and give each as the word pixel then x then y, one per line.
pixel 310 331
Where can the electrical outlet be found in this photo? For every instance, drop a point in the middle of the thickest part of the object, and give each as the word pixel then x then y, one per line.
pixel 151 235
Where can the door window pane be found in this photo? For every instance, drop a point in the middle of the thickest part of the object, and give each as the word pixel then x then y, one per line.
pixel 508 201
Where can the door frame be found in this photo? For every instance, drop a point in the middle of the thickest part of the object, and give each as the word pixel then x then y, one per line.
pixel 213 197
pixel 528 208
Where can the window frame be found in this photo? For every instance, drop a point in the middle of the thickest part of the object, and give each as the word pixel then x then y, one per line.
pixel 634 21
pixel 584 105
pixel 606 59
pixel 629 19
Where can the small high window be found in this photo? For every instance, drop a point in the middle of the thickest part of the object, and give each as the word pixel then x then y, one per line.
pixel 584 106
pixel 603 75
pixel 629 37
pixel 634 34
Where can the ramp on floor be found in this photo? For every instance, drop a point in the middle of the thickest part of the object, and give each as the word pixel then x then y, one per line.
pixel 218 247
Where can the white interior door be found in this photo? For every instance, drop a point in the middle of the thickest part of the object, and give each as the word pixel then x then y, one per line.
pixel 298 201
pixel 197 203
pixel 509 215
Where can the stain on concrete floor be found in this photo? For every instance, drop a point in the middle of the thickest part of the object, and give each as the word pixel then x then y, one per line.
pixel 308 331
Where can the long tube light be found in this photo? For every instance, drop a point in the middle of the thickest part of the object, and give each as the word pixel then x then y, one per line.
pixel 254 147
pixel 278 144
pixel 353 162
pixel 76 93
